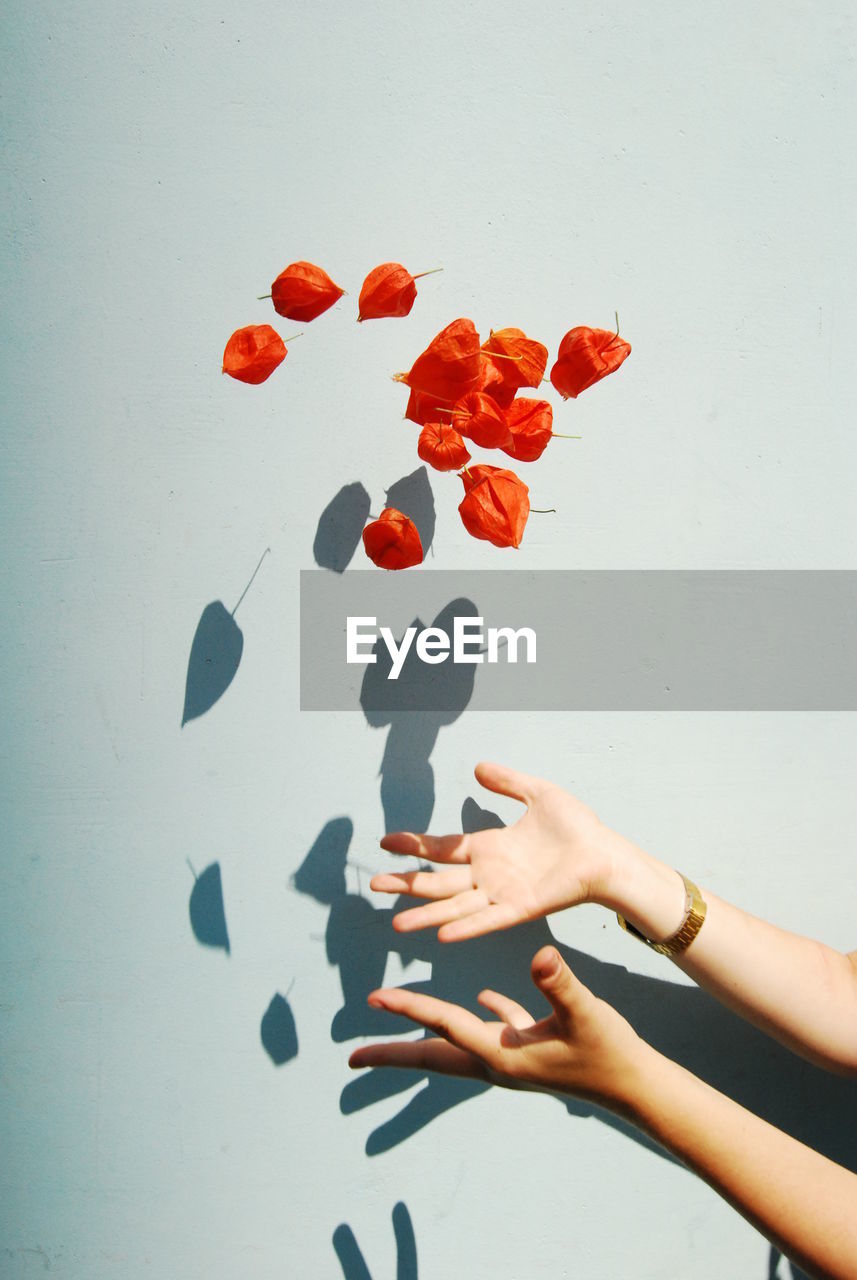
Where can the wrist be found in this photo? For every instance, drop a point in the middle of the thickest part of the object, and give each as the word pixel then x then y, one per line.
pixel 611 863
pixel 648 893
pixel 625 1088
pixel 646 1088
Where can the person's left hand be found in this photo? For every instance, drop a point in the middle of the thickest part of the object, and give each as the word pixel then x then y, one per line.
pixel 557 854
pixel 584 1047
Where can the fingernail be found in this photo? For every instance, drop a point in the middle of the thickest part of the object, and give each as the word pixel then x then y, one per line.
pixel 549 967
pixel 376 1000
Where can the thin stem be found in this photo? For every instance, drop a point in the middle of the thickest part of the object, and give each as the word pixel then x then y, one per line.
pixel 295 335
pixel 250 583
pixel 190 864
pixel 615 337
pixel 433 272
pixel 542 511
pixel 260 297
pixel 560 436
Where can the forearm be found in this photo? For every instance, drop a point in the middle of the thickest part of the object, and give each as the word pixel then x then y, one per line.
pixel 798 1199
pixel 799 991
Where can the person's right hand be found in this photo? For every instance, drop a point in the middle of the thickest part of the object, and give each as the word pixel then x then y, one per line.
pixel 556 855
pixel 584 1047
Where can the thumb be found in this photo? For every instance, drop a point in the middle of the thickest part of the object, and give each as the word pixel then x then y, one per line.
pixel 555 980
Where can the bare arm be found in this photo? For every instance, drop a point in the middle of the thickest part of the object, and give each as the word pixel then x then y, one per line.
pixel 801 992
pixel 559 854
pixel 800 1200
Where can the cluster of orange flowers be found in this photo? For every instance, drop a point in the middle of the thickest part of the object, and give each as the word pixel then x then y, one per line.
pixel 303 292
pixel 460 390
pixel 464 391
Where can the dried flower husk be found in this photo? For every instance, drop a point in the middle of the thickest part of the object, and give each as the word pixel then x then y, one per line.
pixel 424 408
pixel 472 475
pixel 393 541
pixel 450 366
pixel 496 505
pixel 442 447
pixel 304 291
pixel 388 290
pixel 479 417
pixel 253 353
pixel 531 425
pixel 519 361
pixel 585 357
pixel 491 382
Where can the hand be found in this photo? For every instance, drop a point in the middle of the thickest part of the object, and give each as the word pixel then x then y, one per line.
pixel 797 1198
pixel 584 1048
pixel 557 855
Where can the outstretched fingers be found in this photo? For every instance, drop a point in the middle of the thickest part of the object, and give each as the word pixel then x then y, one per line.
pixel 458 1026
pixel 488 920
pixel 508 1010
pixel 433 848
pixel 431 1054
pixel 423 884
pixel 440 913
pixel 508 782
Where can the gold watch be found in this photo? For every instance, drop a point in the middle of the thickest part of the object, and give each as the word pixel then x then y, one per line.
pixel 695 907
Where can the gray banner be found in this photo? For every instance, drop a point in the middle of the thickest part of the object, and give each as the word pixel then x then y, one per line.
pixel 608 641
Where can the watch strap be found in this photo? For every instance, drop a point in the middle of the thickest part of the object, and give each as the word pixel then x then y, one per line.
pixel 695 907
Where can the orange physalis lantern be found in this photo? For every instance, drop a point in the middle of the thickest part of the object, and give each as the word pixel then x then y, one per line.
pixel 586 356
pixel 472 475
pixel 304 291
pixel 442 447
pixel 450 366
pixel 388 290
pixel 519 361
pixel 496 505
pixel 253 353
pixel 491 382
pixel 479 417
pixel 424 408
pixel 392 541
pixel 531 425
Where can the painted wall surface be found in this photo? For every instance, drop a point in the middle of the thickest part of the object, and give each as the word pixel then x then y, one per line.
pixel 690 166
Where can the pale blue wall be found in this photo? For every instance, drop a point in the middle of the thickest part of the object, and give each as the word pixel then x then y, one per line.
pixel 692 167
